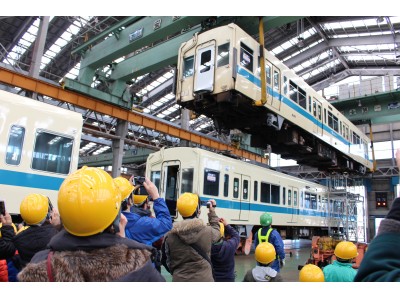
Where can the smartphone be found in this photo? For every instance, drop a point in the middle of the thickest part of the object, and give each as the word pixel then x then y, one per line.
pixel 140 180
pixel 2 208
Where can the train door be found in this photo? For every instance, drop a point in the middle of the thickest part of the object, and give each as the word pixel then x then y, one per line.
pixel 317 113
pixel 241 193
pixel 293 200
pixel 204 69
pixel 276 87
pixel 170 185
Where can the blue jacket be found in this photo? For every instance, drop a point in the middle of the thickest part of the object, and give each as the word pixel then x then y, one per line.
pixel 276 240
pixel 223 256
pixel 145 229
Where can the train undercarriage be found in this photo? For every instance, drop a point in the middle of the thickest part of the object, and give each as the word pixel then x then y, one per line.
pixel 231 110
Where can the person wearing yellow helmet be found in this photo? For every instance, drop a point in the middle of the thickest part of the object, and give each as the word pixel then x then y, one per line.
pixel 223 252
pixel 311 273
pixel 42 224
pixel 89 247
pixel 265 255
pixel 142 226
pixel 268 234
pixel 341 269
pixel 187 246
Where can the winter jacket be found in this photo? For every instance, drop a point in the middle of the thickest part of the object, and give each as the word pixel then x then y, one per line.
pixel 145 229
pixel 27 242
pixel 339 272
pixel 184 262
pixel 381 261
pixel 276 240
pixel 262 274
pixel 223 256
pixel 101 257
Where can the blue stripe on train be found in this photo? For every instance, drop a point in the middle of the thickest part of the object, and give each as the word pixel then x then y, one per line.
pixel 288 102
pixel 30 180
pixel 237 205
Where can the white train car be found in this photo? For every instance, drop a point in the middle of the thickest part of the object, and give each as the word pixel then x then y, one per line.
pixel 39 147
pixel 243 191
pixel 218 75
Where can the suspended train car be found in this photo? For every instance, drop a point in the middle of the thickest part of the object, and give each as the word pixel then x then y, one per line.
pixel 243 191
pixel 219 75
pixel 39 147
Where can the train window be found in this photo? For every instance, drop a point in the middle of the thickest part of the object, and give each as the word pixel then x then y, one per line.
pixel 295 198
pixel 347 133
pixel 205 61
pixel 255 190
pixel 188 66
pixel 313 201
pixel 245 189
pixel 319 112
pixel 284 196
pixel 302 98
pixel 52 153
pixel 340 127
pixel 276 80
pixel 268 72
pixel 223 55
pixel 275 194
pixel 315 108
pixel 265 192
pixel 332 121
pixel 155 178
pixel 293 92
pixel 211 183
pixel 246 57
pixel 319 202
pixel 301 199
pixel 285 85
pixel 309 104
pixel 289 197
pixel 356 139
pixel 235 187
pixel 226 185
pixel 187 180
pixel 307 200
pixel 14 146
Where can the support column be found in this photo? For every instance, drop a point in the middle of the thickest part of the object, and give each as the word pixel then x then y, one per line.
pixel 118 147
pixel 185 118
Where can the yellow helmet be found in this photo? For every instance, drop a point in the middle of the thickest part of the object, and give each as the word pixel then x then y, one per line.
pixel 265 253
pixel 311 273
pixel 187 204
pixel 346 250
pixel 124 186
pixel 139 195
pixel 88 201
pixel 34 208
pixel 222 229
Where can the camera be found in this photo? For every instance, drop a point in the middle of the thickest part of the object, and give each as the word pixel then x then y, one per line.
pixel 209 205
pixel 139 180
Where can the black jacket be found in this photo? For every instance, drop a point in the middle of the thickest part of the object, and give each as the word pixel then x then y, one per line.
pixel 101 257
pixel 28 242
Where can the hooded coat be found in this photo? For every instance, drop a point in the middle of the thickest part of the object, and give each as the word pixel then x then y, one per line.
pixel 101 257
pixel 262 274
pixel 184 262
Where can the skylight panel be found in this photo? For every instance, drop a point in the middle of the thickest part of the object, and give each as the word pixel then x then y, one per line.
pixel 394 20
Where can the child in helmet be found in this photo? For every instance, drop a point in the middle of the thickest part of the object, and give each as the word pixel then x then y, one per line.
pixel 265 255
pixel 311 273
pixel 341 269
pixel 89 248
pixel 223 252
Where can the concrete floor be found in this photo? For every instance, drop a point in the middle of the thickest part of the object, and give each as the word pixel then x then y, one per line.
pixel 300 250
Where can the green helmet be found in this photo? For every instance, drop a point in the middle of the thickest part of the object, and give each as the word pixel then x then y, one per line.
pixel 265 219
